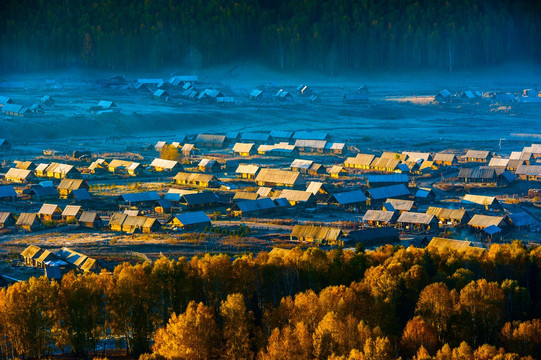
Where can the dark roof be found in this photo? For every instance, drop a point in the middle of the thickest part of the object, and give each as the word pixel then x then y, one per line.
pixel 477 173
pixel 7 191
pixel 206 197
pixel 255 205
pixel 140 197
pixel 44 191
pixel 388 191
pixel 81 194
pixel 349 197
pixel 194 217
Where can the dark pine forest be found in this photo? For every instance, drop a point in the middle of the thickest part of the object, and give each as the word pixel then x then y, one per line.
pixel 315 34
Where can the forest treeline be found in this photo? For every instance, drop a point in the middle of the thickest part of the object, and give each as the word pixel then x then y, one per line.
pixel 311 304
pixel 287 34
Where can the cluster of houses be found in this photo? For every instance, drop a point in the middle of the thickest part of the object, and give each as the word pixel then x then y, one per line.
pixel 527 96
pixel 9 108
pixel 282 174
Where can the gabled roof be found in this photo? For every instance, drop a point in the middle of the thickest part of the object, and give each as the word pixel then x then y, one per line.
pixel 529 170
pixel 176 194
pixel 7 191
pixel 378 215
pixel 192 218
pixel 27 219
pixel 479 199
pixel 301 164
pixel 4 216
pixel 202 198
pixel 498 162
pixel 279 134
pixel 80 194
pixel 399 204
pixel 478 173
pixel 390 178
pixel 70 184
pixel 32 252
pixel 117 219
pixel 388 191
pixel 15 173
pixel 252 136
pixel 415 218
pixel 307 135
pixel 264 191
pixel 318 233
pixel 315 144
pixel 278 176
pixel 477 154
pixel 206 139
pixel 207 163
pixel 443 213
pixel 71 210
pixel 184 176
pixel 243 147
pixel 245 195
pixel 89 216
pixel 255 205
pixel 412 155
pixel 49 209
pixel 163 163
pixel 444 157
pixel 349 197
pixel 296 195
pixel 314 187
pixel 247 169
pixel 41 191
pixel 360 159
pixel 486 221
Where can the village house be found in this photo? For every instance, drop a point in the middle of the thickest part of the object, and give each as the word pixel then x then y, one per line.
pixel 209 166
pixel 386 180
pixel 307 167
pixel 425 195
pixel 7 193
pixel 29 222
pixel 72 213
pixel 282 149
pixel 378 195
pixel 7 220
pixel 43 193
pixel 16 110
pixel 160 165
pixel 259 207
pixel 478 175
pixel 416 156
pixel 25 165
pixel 209 96
pixel 298 197
pixel 163 206
pixel 46 100
pixel 265 191
pixel 385 164
pixel 190 220
pixel 131 168
pixel 200 200
pixel 90 219
pixel 78 260
pixel 67 186
pixel 245 195
pixel 335 148
pixel 318 189
pixel 50 212
pixel 373 237
pixel 529 172
pixel 360 161
pixel 445 159
pixel 79 195
pixel 256 138
pixel 189 150
pixel 418 221
pixel 478 156
pixel 427 166
pixel 481 222
pixel 98 166
pixel 247 171
pixel 336 171
pixel 160 95
pixel 348 199
pixel 489 203
pixel 380 217
pixel 280 178
pixel 160 145
pixel 5 100
pixel 4 145
pixel 323 235
pixel 210 141
pixel 449 216
pixel 281 135
pixel 195 179
pixel 31 254
pixel 116 221
pixel 147 198
pixel 498 163
pixel 135 224
pixel 283 95
pixel 311 146
pixel 399 205
pixel 242 149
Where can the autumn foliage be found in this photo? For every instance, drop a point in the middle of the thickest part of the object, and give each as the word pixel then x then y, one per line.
pixel 394 302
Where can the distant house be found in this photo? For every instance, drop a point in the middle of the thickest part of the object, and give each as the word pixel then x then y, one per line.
pixel 529 172
pixel 262 206
pixel 449 244
pixel 304 90
pixel 50 212
pixel 66 186
pixel 116 221
pixel 79 195
pixel 210 141
pixel 311 135
pixel 323 235
pixel 209 166
pixel 199 200
pixel 6 220
pixel 190 220
pixel 275 177
pixel 380 217
pixel 98 166
pixel 281 135
pixel 209 96
pixel 117 166
pixel 444 96
pixel 384 164
pixel 255 137
pixel 245 195
pixel 298 197
pixel 133 224
pixel 143 198
pixel 163 206
pixel 307 167
pixel 7 193
pixel 311 146
pixel 72 213
pixel 478 175
pixel 90 219
pixel 360 161
pixel 47 101
pixel 247 171
pixel 16 110
pixel 399 205
pixel 161 95
pixel 480 222
pixel 29 222
pixel 43 193
pixel 242 149
pixel 380 194
pixel 160 165
pixel 418 221
pixel 386 180
pixel 445 159
pixel 5 100
pixel 425 195
pixel 4 145
pixel 336 171
pixel 348 199
pixel 335 148
pixel 480 201
pixel 283 95
pixel 189 150
pixel 106 105
pixel 57 171
pixel 479 156
pixel 195 179
pixel 256 95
